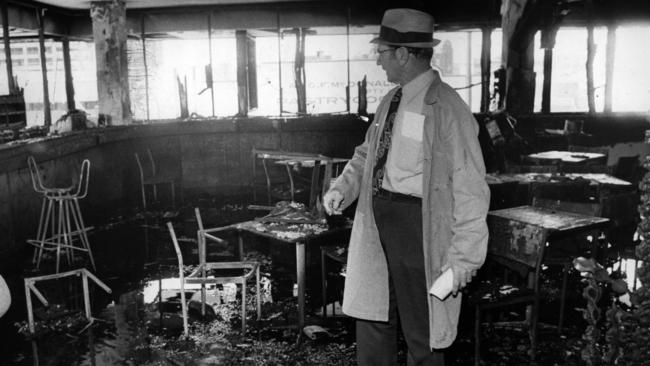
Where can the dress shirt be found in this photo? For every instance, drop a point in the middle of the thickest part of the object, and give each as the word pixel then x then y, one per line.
pixel 403 171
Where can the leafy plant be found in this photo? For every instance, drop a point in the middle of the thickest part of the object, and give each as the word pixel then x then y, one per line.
pixel 594 275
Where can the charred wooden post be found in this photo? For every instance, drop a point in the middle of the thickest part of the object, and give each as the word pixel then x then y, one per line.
pixel 299 70
pixel 47 113
pixel 7 43
pixel 519 24
pixel 109 33
pixel 242 72
pixel 69 86
pixel 251 72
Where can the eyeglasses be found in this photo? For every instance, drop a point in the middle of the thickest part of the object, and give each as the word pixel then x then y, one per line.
pixel 386 50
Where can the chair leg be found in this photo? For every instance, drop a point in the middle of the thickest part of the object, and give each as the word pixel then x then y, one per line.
pixel 243 306
pixel 323 281
pixel 477 335
pixel 533 330
pixel 565 277
pixel 67 232
pixel 59 233
pixel 257 291
pixel 41 227
pixel 173 194
pixel 48 216
pixel 82 231
pixel 144 197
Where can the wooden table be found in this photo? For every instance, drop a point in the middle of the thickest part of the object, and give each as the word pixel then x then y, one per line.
pixel 300 235
pixel 521 233
pixel 530 228
pixel 516 189
pixel 594 178
pixel 534 226
pixel 567 157
pixel 552 221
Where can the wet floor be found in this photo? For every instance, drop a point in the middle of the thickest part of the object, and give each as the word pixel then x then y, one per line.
pixel 139 323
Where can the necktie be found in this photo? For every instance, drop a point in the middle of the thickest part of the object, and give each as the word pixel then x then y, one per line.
pixel 384 142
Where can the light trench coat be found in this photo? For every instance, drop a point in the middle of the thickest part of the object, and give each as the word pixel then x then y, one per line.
pixel 455 201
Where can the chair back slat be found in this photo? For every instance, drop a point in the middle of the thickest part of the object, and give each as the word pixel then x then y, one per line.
pixel 84 177
pixel 37 183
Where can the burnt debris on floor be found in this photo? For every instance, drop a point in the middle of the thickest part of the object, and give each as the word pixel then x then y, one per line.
pixel 140 323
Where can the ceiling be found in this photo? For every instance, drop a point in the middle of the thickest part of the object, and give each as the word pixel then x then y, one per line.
pixel 145 4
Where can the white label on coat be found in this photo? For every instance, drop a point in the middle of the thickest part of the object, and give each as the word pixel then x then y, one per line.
pixel 412 125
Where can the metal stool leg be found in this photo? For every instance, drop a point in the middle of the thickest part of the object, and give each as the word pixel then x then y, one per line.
pixel 41 224
pixel 46 224
pixel 83 232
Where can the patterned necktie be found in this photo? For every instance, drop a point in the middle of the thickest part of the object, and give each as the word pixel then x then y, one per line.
pixel 384 142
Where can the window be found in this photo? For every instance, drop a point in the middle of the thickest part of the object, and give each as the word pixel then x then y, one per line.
pixel 631 84
pixel 84 77
pixel 268 74
pixel 4 80
pixel 363 64
pixel 326 70
pixel 458 59
pixel 32 50
pixel 56 82
pixel 569 75
pixel 137 79
pixel 224 75
pixel 182 63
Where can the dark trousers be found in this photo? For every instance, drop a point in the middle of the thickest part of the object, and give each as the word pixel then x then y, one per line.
pixel 400 230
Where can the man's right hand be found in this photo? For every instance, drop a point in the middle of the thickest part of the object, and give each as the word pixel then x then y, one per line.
pixel 333 201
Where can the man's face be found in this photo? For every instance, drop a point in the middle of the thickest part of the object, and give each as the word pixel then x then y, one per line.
pixel 387 60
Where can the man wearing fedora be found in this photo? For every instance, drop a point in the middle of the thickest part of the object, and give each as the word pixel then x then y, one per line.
pixel 419 177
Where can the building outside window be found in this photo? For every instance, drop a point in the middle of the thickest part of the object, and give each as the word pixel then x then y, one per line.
pixel 458 59
pixel 180 63
pixel 631 89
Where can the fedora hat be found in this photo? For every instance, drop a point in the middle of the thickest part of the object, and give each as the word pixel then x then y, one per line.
pixel 406 27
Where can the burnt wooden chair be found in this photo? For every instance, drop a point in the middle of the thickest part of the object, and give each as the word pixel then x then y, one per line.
pixel 621 209
pixel 337 255
pixel 514 259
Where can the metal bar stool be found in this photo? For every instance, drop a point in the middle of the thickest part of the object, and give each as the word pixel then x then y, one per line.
pixel 61 226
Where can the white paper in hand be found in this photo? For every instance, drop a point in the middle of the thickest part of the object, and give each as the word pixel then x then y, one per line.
pixel 443 285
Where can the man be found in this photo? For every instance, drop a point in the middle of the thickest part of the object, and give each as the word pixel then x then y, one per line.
pixel 419 179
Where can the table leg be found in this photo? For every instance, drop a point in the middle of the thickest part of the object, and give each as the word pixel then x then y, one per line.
pixel 300 274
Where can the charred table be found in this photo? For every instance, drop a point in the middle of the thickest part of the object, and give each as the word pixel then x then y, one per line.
pixel 567 157
pixel 301 235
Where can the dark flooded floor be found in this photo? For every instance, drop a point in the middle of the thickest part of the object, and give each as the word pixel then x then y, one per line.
pixel 140 322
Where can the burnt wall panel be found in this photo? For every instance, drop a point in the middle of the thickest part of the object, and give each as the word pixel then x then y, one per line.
pixel 211 157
